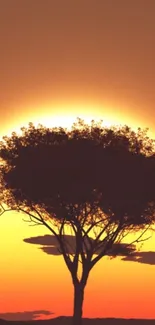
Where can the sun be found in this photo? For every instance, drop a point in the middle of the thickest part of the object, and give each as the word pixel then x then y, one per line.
pixel 65 115
pixel 66 121
pixel 60 117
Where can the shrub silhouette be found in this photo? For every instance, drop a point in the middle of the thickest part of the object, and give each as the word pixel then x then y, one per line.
pixel 93 180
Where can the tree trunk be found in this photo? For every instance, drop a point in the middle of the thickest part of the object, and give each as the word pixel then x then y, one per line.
pixel 78 303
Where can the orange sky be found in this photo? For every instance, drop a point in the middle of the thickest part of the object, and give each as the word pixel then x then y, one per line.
pixel 59 60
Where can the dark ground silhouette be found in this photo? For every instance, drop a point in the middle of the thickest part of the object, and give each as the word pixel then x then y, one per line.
pixel 86 321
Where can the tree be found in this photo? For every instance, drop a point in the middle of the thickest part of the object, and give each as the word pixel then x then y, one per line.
pixel 94 182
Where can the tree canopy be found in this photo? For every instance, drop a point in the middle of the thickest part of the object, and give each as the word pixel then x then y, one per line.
pixel 61 171
pixel 97 181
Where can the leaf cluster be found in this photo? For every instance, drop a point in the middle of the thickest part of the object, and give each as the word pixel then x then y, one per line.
pixel 111 170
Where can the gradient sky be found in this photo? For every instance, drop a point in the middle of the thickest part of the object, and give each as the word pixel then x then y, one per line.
pixel 61 59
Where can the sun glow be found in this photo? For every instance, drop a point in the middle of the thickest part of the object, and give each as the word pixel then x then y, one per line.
pixel 60 118
pixel 65 115
pixel 67 121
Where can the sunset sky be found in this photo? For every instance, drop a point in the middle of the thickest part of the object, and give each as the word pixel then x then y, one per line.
pixel 62 59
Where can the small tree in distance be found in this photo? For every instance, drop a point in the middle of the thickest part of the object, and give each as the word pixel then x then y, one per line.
pixel 95 182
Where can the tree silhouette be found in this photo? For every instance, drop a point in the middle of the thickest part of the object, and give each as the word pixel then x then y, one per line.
pixel 90 182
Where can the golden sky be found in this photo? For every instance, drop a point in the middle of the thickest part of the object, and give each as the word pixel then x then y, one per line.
pixel 59 60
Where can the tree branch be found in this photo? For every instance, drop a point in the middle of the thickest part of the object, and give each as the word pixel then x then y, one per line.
pixel 59 238
pixel 108 246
